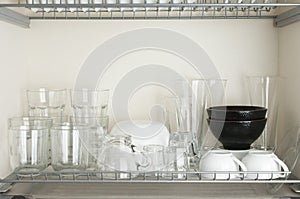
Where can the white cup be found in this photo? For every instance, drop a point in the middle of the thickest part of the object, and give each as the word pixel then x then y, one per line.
pixel 221 162
pixel 265 163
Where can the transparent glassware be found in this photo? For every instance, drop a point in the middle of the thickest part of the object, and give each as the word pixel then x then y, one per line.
pixel 205 93
pixel 93 140
pixel 100 123
pixel 47 103
pixel 29 141
pixel 67 149
pixel 118 154
pixel 263 91
pixel 156 155
pixel 89 103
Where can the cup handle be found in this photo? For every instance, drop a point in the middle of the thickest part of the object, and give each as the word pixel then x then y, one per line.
pixel 282 164
pixel 238 162
pixel 144 162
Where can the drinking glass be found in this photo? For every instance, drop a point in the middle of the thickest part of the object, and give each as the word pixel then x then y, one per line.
pixel 181 137
pixel 68 152
pixel 263 91
pixel 29 143
pixel 182 154
pixel 47 103
pixel 205 93
pixel 156 155
pixel 92 141
pixel 89 103
pixel 170 159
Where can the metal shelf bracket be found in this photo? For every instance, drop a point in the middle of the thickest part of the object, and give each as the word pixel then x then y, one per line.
pixel 13 17
pixel 288 17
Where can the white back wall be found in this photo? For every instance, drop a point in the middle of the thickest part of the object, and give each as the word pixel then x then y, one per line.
pixel 56 50
pixel 236 47
pixel 13 81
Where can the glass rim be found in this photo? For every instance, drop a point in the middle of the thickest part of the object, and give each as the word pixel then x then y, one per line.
pixel 263 76
pixel 154 148
pixel 46 90
pixel 90 117
pixel 209 79
pixel 30 118
pixel 89 90
pixel 69 126
pixel 15 123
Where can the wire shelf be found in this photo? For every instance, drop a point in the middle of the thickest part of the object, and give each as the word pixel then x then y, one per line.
pixel 150 177
pixel 150 9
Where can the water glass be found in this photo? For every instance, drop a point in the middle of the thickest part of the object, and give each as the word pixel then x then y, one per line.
pixel 170 161
pixel 156 155
pixel 205 93
pixel 263 91
pixel 47 103
pixel 29 143
pixel 181 156
pixel 67 149
pixel 93 141
pixel 89 103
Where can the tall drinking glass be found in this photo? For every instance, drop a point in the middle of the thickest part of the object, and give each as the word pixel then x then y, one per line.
pixel 93 140
pixel 89 103
pixel 205 93
pixel 263 91
pixel 29 143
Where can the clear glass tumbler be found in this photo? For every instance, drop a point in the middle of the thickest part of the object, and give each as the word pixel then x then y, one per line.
pixel 205 93
pixel 29 143
pixel 263 91
pixel 67 149
pixel 156 155
pixel 93 141
pixel 47 103
pixel 89 103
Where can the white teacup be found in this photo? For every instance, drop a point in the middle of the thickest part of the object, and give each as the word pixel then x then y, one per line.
pixel 221 162
pixel 265 162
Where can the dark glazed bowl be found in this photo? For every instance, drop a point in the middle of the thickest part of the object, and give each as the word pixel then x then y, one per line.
pixel 237 135
pixel 237 113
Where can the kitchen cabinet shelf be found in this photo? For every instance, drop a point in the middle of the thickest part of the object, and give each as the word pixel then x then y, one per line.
pixel 121 9
pixel 148 177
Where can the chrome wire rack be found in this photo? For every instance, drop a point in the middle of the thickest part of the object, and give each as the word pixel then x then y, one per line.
pixel 151 177
pixel 20 12
pixel 149 9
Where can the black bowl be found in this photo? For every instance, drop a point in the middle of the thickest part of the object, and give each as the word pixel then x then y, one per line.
pixel 237 113
pixel 237 135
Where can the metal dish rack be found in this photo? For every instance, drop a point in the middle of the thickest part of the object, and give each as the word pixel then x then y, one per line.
pixel 149 177
pixel 22 11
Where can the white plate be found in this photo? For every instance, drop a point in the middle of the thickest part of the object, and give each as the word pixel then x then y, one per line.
pixel 143 132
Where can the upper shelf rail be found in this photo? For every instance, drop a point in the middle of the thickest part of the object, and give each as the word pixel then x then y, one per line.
pixel 150 9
